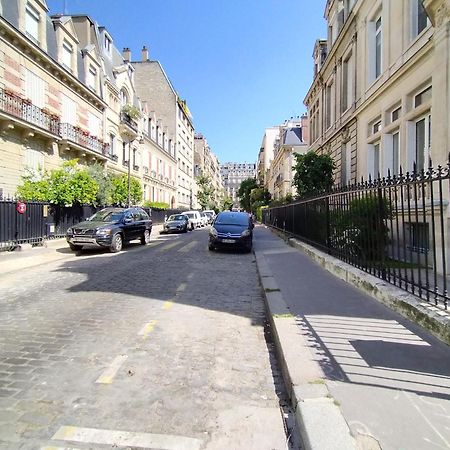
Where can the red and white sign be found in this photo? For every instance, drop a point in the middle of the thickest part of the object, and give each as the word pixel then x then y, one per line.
pixel 21 207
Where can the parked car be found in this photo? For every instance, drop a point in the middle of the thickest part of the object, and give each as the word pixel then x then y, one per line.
pixel 176 223
pixel 205 219
pixel 111 228
pixel 211 215
pixel 231 230
pixel 195 219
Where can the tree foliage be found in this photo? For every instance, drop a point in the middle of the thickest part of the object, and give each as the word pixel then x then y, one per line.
pixel 227 203
pixel 120 190
pixel 205 193
pixel 313 173
pixel 104 181
pixel 64 186
pixel 244 192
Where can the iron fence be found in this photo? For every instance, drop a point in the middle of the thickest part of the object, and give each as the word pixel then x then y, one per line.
pixel 395 228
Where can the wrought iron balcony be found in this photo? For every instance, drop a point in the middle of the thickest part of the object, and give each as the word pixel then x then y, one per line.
pixel 16 106
pixel 82 138
pixel 128 126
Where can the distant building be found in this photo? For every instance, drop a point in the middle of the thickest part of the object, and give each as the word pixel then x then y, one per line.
pixel 232 176
pixel 292 138
pixel 265 155
pixel 207 164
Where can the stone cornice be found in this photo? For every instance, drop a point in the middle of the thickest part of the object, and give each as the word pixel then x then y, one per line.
pixel 438 11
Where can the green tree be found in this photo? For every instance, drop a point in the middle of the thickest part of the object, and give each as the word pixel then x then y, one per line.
pixel 64 186
pixel 119 195
pixel 104 181
pixel 227 203
pixel 313 173
pixel 244 192
pixel 205 192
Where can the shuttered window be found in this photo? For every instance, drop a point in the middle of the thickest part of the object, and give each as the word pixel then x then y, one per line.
pixel 35 89
pixel 34 160
pixel 94 125
pixel 69 110
pixel 32 23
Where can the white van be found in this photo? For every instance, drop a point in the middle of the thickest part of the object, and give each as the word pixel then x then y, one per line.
pixel 195 219
pixel 211 215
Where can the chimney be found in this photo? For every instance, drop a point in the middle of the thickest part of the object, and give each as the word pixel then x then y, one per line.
pixel 126 53
pixel 144 53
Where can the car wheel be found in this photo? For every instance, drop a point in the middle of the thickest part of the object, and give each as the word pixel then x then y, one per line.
pixel 74 247
pixel 192 227
pixel 185 229
pixel 211 248
pixel 145 239
pixel 116 244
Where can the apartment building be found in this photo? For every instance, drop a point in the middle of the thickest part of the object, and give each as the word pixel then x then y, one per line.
pixel 380 96
pixel 233 174
pixel 265 155
pixel 173 122
pixel 292 138
pixel 65 90
pixel 207 164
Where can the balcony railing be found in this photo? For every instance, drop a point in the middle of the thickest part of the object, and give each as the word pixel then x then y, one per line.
pixel 125 118
pixel 23 109
pixel 83 138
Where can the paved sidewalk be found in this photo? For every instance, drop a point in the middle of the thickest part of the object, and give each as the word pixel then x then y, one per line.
pixel 360 375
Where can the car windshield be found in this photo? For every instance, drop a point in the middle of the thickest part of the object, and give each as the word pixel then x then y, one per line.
pixel 191 215
pixel 232 219
pixel 177 217
pixel 107 216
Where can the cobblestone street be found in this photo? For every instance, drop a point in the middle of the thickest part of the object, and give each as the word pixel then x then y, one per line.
pixel 159 346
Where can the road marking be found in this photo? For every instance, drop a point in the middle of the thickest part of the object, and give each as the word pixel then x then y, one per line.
pixel 59 448
pixel 107 376
pixel 128 439
pixel 190 276
pixel 168 304
pixel 147 329
pixel 169 246
pixel 181 287
pixel 188 247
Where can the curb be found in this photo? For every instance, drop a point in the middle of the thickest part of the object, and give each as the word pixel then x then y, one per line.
pixel 320 421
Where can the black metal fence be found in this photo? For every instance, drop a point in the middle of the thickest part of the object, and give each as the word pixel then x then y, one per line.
pixel 395 228
pixel 39 221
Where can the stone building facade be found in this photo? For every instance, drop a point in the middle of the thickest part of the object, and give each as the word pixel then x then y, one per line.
pixel 233 174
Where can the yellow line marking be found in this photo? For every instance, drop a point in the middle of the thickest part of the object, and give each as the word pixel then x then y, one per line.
pixel 107 376
pixel 65 433
pixel 147 328
pixel 168 304
pixel 188 247
pixel 130 439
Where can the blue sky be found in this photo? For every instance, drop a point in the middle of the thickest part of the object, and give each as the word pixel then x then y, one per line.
pixel 242 65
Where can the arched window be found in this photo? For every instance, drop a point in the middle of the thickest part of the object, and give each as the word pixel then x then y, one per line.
pixel 124 99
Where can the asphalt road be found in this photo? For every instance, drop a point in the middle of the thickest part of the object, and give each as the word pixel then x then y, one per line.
pixel 159 346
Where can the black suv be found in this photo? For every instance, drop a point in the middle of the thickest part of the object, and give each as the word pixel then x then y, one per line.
pixel 111 227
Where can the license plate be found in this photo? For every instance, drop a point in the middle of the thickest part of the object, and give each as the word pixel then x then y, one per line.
pixel 83 239
pixel 228 241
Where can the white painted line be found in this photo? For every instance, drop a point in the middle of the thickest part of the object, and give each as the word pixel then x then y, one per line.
pixel 181 287
pixel 190 276
pixel 59 448
pixel 188 247
pixel 127 438
pixel 169 246
pixel 107 376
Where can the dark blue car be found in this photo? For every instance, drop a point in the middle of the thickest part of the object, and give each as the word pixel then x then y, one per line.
pixel 231 229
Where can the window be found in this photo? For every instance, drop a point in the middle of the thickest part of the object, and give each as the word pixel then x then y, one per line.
pixel 395 114
pixel 376 127
pixel 417 236
pixel 373 162
pixel 32 19
pixel 378 47
pixel 328 106
pixel 346 162
pixel 347 83
pixel 124 151
pixel 112 140
pixel 92 78
pixel 94 125
pixel 123 97
pixel 68 110
pixel 34 160
pixel 422 141
pixel 107 44
pixel 392 155
pixel 35 89
pixel 422 97
pixel 419 18
pixel 66 55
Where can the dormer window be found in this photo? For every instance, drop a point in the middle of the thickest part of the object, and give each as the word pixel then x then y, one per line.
pixel 108 44
pixel 32 19
pixel 67 52
pixel 92 78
